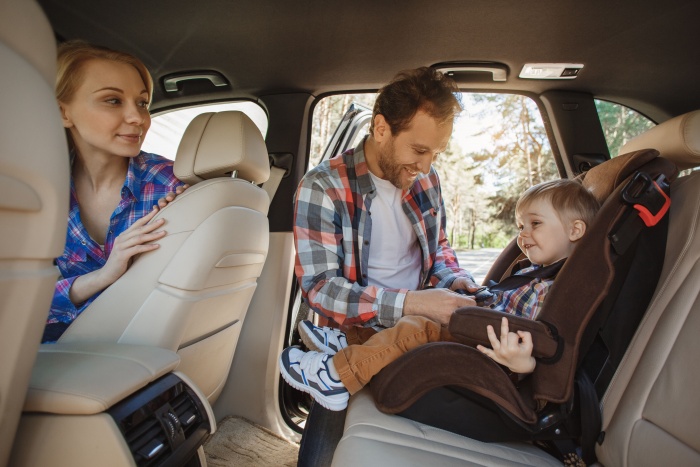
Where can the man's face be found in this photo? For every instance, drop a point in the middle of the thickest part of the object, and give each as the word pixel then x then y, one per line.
pixel 402 157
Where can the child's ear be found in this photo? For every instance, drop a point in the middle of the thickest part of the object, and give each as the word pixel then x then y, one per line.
pixel 578 228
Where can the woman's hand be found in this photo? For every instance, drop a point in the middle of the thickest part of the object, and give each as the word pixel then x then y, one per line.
pixel 513 350
pixel 133 241
pixel 170 197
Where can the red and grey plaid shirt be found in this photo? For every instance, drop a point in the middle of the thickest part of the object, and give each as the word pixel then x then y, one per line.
pixel 332 229
pixel 149 178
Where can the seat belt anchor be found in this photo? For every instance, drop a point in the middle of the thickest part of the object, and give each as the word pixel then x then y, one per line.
pixel 648 196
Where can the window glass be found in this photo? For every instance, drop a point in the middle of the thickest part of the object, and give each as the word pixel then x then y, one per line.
pixel 620 124
pixel 499 148
pixel 167 128
pixel 326 118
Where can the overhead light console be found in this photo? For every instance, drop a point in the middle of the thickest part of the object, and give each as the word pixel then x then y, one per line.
pixel 550 70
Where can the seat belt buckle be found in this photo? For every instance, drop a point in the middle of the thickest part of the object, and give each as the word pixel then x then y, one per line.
pixel 648 196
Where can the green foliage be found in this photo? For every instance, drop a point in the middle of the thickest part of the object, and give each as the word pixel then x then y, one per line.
pixel 620 124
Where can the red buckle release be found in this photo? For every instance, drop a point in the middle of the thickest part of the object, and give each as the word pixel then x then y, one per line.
pixel 650 219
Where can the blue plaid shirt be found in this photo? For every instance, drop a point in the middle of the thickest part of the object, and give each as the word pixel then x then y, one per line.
pixel 149 178
pixel 332 229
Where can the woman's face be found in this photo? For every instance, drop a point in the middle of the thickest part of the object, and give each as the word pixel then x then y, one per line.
pixel 108 114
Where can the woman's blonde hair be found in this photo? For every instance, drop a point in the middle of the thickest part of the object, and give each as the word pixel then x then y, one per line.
pixel 72 55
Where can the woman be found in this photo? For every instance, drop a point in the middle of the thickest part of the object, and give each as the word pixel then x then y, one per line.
pixel 116 189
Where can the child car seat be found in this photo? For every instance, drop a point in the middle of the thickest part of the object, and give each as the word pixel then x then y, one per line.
pixel 580 336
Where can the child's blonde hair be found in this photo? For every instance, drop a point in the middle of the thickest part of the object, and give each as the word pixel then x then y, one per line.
pixel 569 198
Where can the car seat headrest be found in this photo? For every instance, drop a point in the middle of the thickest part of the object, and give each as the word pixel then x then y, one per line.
pixel 25 29
pixel 215 144
pixel 677 139
pixel 602 179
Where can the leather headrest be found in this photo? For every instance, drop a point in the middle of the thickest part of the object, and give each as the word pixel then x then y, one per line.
pixel 677 139
pixel 218 143
pixel 603 179
pixel 26 30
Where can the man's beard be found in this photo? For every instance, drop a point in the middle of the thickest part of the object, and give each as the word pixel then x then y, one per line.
pixel 390 169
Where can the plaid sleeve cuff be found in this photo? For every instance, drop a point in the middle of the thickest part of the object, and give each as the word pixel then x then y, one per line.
pixel 389 306
pixel 445 278
pixel 62 309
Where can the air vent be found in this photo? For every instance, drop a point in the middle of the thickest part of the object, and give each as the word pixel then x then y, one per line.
pixel 163 423
pixel 148 442
pixel 186 411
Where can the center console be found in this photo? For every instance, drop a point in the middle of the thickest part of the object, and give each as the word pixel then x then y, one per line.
pixel 111 405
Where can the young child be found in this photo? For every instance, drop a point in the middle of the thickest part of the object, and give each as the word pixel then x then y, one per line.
pixel 551 217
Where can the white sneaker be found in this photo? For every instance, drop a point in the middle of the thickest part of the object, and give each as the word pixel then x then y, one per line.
pixel 308 372
pixel 327 340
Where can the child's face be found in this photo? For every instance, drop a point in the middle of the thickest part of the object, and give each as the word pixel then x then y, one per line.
pixel 543 237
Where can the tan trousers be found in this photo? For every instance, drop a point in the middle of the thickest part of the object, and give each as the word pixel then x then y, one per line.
pixel 369 351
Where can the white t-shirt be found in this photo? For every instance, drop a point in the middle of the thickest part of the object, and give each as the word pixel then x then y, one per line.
pixel 395 257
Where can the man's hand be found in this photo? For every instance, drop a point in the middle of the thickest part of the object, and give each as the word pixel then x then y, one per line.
pixel 513 350
pixel 435 304
pixel 170 197
pixel 464 284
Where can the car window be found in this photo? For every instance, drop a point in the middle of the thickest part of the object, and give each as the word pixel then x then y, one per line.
pixel 326 118
pixel 167 128
pixel 620 124
pixel 499 148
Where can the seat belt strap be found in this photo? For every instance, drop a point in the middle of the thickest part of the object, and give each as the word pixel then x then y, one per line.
pixel 272 183
pixel 518 280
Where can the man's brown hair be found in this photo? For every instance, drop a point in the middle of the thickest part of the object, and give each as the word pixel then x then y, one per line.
pixel 423 89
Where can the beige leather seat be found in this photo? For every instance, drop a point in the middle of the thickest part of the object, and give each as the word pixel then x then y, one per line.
pixel 191 295
pixel 651 409
pixel 34 187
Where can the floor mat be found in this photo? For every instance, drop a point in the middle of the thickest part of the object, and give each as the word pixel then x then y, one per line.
pixel 239 442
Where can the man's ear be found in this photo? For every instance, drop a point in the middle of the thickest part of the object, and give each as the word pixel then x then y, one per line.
pixel 381 128
pixel 65 118
pixel 577 229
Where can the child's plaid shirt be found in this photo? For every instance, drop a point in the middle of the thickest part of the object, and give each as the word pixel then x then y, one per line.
pixel 525 301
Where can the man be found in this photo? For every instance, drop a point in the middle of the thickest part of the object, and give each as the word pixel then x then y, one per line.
pixel 370 229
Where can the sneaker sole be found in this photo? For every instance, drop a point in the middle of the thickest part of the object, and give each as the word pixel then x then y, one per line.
pixel 312 343
pixel 325 401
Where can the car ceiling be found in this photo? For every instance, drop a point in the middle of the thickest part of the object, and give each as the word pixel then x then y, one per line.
pixel 640 53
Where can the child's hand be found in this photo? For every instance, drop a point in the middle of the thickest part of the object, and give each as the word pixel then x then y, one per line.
pixel 512 350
